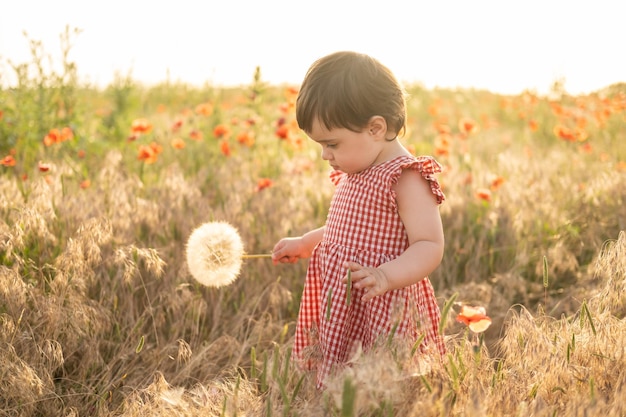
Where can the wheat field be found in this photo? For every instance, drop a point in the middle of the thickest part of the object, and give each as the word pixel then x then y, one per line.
pixel 101 188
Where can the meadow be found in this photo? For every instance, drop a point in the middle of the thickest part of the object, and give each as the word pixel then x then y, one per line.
pixel 101 188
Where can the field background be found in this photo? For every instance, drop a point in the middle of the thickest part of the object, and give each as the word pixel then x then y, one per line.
pixel 100 189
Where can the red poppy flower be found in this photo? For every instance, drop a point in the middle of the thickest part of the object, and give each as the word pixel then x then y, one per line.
pixel 441 151
pixel 204 109
pixel 43 167
pixel 245 138
pixel 292 91
pixel 496 183
pixel 8 161
pixel 156 147
pixel 263 183
pixel 221 131
pixel 53 136
pixel 225 148
pixel 195 135
pixel 467 126
pixel 178 123
pixel 149 153
pixel 483 194
pixel 140 126
pixel 475 318
pixel 282 131
pixel 442 128
pixel 285 107
pixel 84 184
pixel 178 143
pixel 565 133
pixel 146 154
pixel 66 134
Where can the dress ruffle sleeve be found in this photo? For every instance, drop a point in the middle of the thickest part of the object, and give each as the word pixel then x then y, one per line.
pixel 336 176
pixel 428 167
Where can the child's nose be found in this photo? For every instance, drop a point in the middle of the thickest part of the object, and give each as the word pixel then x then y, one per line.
pixel 326 154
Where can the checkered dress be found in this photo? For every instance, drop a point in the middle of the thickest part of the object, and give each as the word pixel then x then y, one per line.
pixel 364 226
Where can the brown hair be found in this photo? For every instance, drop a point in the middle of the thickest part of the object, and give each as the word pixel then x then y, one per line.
pixel 345 89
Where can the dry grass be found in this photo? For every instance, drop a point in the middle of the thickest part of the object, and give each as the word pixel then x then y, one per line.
pixel 100 316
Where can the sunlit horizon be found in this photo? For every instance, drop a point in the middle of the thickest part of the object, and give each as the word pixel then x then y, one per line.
pixel 504 48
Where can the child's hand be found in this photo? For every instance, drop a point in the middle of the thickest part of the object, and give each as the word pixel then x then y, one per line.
pixel 288 251
pixel 372 280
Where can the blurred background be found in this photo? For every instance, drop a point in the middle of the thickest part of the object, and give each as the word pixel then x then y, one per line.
pixel 505 47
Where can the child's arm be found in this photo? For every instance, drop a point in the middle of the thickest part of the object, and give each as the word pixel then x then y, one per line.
pixel 419 212
pixel 290 249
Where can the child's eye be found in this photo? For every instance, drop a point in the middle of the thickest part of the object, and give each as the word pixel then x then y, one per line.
pixel 331 145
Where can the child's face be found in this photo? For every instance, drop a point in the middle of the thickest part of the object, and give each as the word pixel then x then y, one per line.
pixel 345 150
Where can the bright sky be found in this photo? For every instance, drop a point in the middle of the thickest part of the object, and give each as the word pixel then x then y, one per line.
pixel 502 45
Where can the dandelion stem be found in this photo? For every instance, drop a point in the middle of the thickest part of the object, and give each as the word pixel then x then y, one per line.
pixel 258 255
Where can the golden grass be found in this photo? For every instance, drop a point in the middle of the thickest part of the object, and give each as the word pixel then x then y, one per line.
pixel 99 314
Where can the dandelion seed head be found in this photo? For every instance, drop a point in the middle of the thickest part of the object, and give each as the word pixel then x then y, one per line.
pixel 214 254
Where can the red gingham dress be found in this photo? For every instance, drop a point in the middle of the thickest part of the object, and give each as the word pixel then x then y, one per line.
pixel 363 225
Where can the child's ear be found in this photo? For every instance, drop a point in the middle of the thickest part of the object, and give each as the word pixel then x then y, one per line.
pixel 377 126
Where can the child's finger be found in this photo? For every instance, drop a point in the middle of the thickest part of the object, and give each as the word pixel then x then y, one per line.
pixel 357 272
pixel 352 266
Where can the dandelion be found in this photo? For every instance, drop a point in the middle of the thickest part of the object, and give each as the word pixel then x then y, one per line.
pixel 214 254
pixel 475 318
